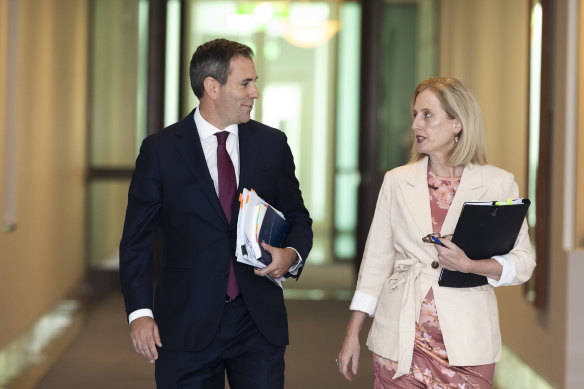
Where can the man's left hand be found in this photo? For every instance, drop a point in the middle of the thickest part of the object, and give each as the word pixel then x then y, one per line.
pixel 282 260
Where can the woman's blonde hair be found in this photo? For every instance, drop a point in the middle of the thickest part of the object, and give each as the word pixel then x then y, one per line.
pixel 460 104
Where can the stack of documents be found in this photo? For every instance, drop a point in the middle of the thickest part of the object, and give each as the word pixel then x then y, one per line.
pixel 258 222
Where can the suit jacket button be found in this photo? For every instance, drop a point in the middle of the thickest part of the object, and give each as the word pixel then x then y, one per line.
pixel 435 265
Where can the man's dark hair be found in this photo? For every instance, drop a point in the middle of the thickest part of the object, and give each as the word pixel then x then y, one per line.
pixel 212 59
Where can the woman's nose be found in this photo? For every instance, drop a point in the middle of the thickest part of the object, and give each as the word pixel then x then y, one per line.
pixel 415 123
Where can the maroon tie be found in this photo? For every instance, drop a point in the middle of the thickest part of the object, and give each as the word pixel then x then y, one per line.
pixel 227 191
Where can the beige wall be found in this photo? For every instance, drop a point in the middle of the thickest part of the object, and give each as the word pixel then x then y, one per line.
pixel 3 48
pixel 43 259
pixel 580 136
pixel 485 44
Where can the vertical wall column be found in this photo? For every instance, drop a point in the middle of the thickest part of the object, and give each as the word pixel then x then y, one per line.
pixel 10 173
pixel 369 113
pixel 156 65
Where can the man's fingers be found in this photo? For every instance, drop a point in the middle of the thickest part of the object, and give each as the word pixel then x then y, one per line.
pixel 270 270
pixel 151 352
pixel 281 262
pixel 157 337
pixel 145 338
pixel 147 348
pixel 265 271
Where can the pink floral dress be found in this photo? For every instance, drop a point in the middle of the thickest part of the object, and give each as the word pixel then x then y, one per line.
pixel 430 367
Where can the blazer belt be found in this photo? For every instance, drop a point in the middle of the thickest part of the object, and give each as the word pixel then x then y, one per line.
pixel 408 271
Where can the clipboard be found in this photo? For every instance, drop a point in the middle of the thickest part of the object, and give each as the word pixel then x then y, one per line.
pixel 484 229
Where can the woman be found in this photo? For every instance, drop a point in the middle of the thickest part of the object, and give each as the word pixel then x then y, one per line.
pixel 424 335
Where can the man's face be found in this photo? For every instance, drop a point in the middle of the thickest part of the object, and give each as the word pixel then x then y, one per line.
pixel 237 95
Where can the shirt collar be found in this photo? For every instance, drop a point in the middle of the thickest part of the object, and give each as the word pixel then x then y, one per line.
pixel 207 130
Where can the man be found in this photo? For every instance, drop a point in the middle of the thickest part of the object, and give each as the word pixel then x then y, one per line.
pixel 210 314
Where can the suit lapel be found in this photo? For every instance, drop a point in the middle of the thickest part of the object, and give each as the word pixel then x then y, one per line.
pixel 190 148
pixel 414 190
pixel 471 188
pixel 249 149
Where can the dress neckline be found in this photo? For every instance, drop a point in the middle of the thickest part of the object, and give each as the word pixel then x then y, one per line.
pixel 444 178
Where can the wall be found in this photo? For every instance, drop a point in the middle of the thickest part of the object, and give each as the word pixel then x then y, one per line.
pixel 485 44
pixel 43 259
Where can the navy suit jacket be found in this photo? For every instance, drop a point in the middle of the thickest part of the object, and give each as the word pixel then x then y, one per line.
pixel 172 192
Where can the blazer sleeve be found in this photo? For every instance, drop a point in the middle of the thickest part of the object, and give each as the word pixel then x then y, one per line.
pixel 519 262
pixel 378 255
pixel 140 230
pixel 290 203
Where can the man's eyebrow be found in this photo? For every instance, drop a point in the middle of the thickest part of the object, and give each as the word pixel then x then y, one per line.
pixel 250 79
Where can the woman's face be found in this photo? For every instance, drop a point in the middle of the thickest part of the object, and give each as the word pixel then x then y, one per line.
pixel 433 128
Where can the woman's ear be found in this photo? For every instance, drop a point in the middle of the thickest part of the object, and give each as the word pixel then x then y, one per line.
pixel 457 131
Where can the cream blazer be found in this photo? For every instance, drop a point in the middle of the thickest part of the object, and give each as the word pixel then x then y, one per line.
pixel 396 270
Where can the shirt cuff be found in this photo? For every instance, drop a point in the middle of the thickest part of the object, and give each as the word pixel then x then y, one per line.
pixel 364 303
pixel 508 273
pixel 296 265
pixel 140 313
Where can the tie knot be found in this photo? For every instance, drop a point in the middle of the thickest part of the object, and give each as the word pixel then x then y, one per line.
pixel 222 137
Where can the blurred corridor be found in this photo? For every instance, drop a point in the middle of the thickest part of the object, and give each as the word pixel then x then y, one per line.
pixel 82 82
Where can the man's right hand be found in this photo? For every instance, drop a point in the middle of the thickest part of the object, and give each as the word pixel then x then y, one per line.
pixel 145 337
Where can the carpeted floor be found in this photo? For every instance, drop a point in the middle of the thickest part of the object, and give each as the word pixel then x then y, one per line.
pixel 101 356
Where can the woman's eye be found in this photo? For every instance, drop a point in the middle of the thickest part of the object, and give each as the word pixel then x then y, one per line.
pixel 427 115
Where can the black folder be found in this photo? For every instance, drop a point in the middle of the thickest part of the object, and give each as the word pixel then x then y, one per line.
pixel 484 229
pixel 273 231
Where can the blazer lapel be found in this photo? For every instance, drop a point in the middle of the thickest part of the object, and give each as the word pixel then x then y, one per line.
pixel 414 190
pixel 471 188
pixel 190 148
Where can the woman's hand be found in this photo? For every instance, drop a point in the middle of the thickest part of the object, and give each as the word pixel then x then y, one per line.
pixel 349 357
pixel 452 257
pixel 348 360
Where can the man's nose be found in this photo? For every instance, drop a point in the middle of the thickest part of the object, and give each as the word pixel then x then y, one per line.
pixel 254 93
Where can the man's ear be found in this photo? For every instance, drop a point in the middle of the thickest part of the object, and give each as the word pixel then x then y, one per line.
pixel 211 86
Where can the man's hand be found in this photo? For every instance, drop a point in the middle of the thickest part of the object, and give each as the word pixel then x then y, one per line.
pixel 282 260
pixel 145 337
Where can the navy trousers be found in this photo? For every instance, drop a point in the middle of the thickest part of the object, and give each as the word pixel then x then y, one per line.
pixel 238 349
